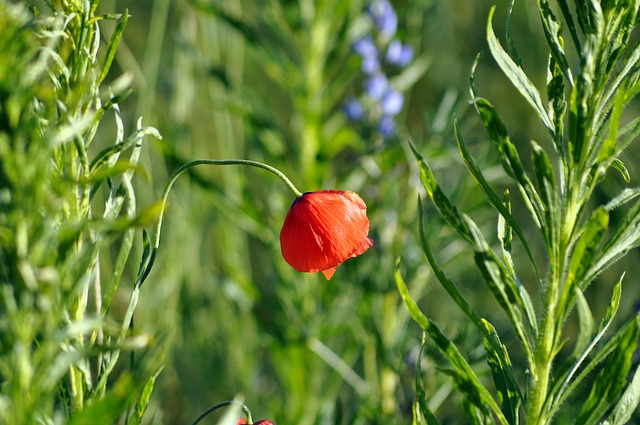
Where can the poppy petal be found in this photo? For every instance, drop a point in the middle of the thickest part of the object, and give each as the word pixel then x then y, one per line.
pixel 328 273
pixel 323 229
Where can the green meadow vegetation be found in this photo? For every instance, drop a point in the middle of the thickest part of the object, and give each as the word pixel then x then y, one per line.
pixel 494 144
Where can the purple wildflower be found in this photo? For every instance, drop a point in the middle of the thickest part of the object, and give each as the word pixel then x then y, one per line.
pixel 365 46
pixel 384 17
pixel 367 49
pixel 379 49
pixel 392 102
pixel 399 54
pixel 353 109
pixel 387 127
pixel 376 86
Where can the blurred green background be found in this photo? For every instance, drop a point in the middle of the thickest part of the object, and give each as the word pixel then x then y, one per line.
pixel 266 81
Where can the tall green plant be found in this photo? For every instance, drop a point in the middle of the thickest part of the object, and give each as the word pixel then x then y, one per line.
pixel 62 208
pixel 583 117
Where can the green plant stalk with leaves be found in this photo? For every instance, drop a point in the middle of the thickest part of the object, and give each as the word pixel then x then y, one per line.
pixel 583 118
pixel 58 342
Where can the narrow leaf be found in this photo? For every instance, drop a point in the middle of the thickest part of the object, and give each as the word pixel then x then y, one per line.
pixel 493 198
pixel 516 75
pixel 625 196
pixel 502 286
pixel 421 394
pixel 505 234
pixel 112 46
pixel 510 158
pixel 566 385
pixel 503 375
pixel 147 260
pixel 143 401
pixel 582 256
pixel 448 285
pixel 557 104
pixel 511 45
pixel 586 323
pixel 618 165
pixel 627 404
pixel 608 386
pixel 448 211
pixel 553 35
pixel 625 237
pixel 548 195
pixel 568 17
pixel 465 377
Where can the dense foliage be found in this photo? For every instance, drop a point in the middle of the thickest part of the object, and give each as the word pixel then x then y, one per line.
pixel 493 147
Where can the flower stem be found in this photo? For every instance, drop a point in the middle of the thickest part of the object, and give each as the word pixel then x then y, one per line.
pixel 245 409
pixel 194 163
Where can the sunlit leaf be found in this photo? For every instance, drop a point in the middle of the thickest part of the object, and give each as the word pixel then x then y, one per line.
pixel 421 394
pixel 143 401
pixel 449 212
pixel 492 196
pixel 516 75
pixel 628 403
pixel 464 376
pixel 610 383
pixel 590 359
pixel 503 375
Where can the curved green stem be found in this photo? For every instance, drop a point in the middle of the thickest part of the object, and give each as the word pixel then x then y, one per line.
pixel 185 167
pixel 246 410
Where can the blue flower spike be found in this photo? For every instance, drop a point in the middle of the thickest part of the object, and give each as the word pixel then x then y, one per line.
pixel 378 50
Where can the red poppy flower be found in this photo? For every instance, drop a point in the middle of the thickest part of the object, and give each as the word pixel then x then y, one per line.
pixel 323 229
pixel 243 421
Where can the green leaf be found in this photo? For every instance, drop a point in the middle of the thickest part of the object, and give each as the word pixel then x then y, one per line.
pixel 568 17
pixel 589 16
pixel 505 234
pixel 623 197
pixel 448 211
pixel 147 260
pixel 567 383
pixel 448 285
pixel 510 158
pixel 580 115
pixel 502 286
pixel 421 394
pixel 618 165
pixel 491 195
pixel 101 173
pixel 582 256
pixel 106 154
pixel 109 408
pixel 625 237
pixel 557 104
pixel 143 400
pixel 503 375
pixel 586 322
pixel 511 45
pixel 619 23
pixel 553 34
pixel 112 46
pixel 610 143
pixel 474 415
pixel 548 195
pixel 464 376
pixel 516 75
pixel 627 404
pixel 609 384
